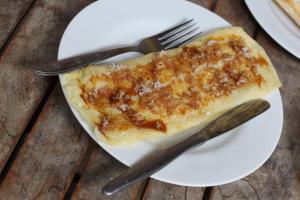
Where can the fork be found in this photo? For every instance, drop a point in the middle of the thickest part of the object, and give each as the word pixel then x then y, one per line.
pixel 168 39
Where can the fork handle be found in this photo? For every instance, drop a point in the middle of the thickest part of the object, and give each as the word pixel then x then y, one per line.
pixel 80 61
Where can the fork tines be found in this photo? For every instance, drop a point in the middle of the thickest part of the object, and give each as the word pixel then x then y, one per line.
pixel 179 35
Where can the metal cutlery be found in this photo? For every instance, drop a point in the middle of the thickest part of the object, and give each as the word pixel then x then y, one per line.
pixel 171 38
pixel 157 161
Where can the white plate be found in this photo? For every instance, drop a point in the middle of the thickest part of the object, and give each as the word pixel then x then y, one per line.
pixel 277 24
pixel 232 156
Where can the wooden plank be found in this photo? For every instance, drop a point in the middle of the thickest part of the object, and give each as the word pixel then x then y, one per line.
pixel 11 13
pixel 236 13
pixel 89 186
pixel 163 191
pixel 279 177
pixel 231 11
pixel 100 169
pixel 35 43
pixel 160 190
pixel 209 4
pixel 50 155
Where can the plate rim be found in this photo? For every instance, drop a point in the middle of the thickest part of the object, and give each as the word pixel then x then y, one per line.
pixel 275 37
pixel 78 117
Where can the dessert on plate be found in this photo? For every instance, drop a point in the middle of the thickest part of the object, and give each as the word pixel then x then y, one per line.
pixel 168 92
pixel 292 8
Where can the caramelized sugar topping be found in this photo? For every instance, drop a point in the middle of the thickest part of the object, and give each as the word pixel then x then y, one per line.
pixel 148 94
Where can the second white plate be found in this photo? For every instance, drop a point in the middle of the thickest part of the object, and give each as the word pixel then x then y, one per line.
pixel 277 24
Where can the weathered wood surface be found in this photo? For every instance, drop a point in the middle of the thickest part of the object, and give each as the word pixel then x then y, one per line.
pixel 11 13
pixel 236 13
pixel 55 147
pixel 279 177
pixel 163 191
pixel 50 155
pixel 155 189
pixel 100 169
pixel 36 42
pixel 209 4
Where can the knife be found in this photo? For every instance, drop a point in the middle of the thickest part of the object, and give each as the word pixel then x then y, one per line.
pixel 157 161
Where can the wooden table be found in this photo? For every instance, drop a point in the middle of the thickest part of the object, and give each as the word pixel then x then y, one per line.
pixel 45 154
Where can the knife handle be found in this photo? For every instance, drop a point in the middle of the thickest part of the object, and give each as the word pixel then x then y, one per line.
pixel 148 166
pixel 158 160
pixel 80 61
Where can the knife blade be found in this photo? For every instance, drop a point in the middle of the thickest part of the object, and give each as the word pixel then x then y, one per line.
pixel 148 166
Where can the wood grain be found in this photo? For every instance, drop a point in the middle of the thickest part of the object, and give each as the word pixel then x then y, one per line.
pixel 209 4
pixel 36 42
pixel 50 155
pixel 11 13
pixel 160 190
pixel 52 151
pixel 279 178
pixel 163 191
pixel 88 185
pixel 100 169
pixel 236 13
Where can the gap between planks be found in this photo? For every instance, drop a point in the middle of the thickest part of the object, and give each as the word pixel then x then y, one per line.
pixel 207 190
pixel 16 27
pixel 37 112
pixel 81 169
pixel 52 83
pixel 257 30
pixel 27 130
pixel 213 5
pixel 31 122
pixel 92 144
pixel 207 193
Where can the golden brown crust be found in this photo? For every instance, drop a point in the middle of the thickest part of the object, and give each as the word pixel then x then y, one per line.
pixel 170 92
